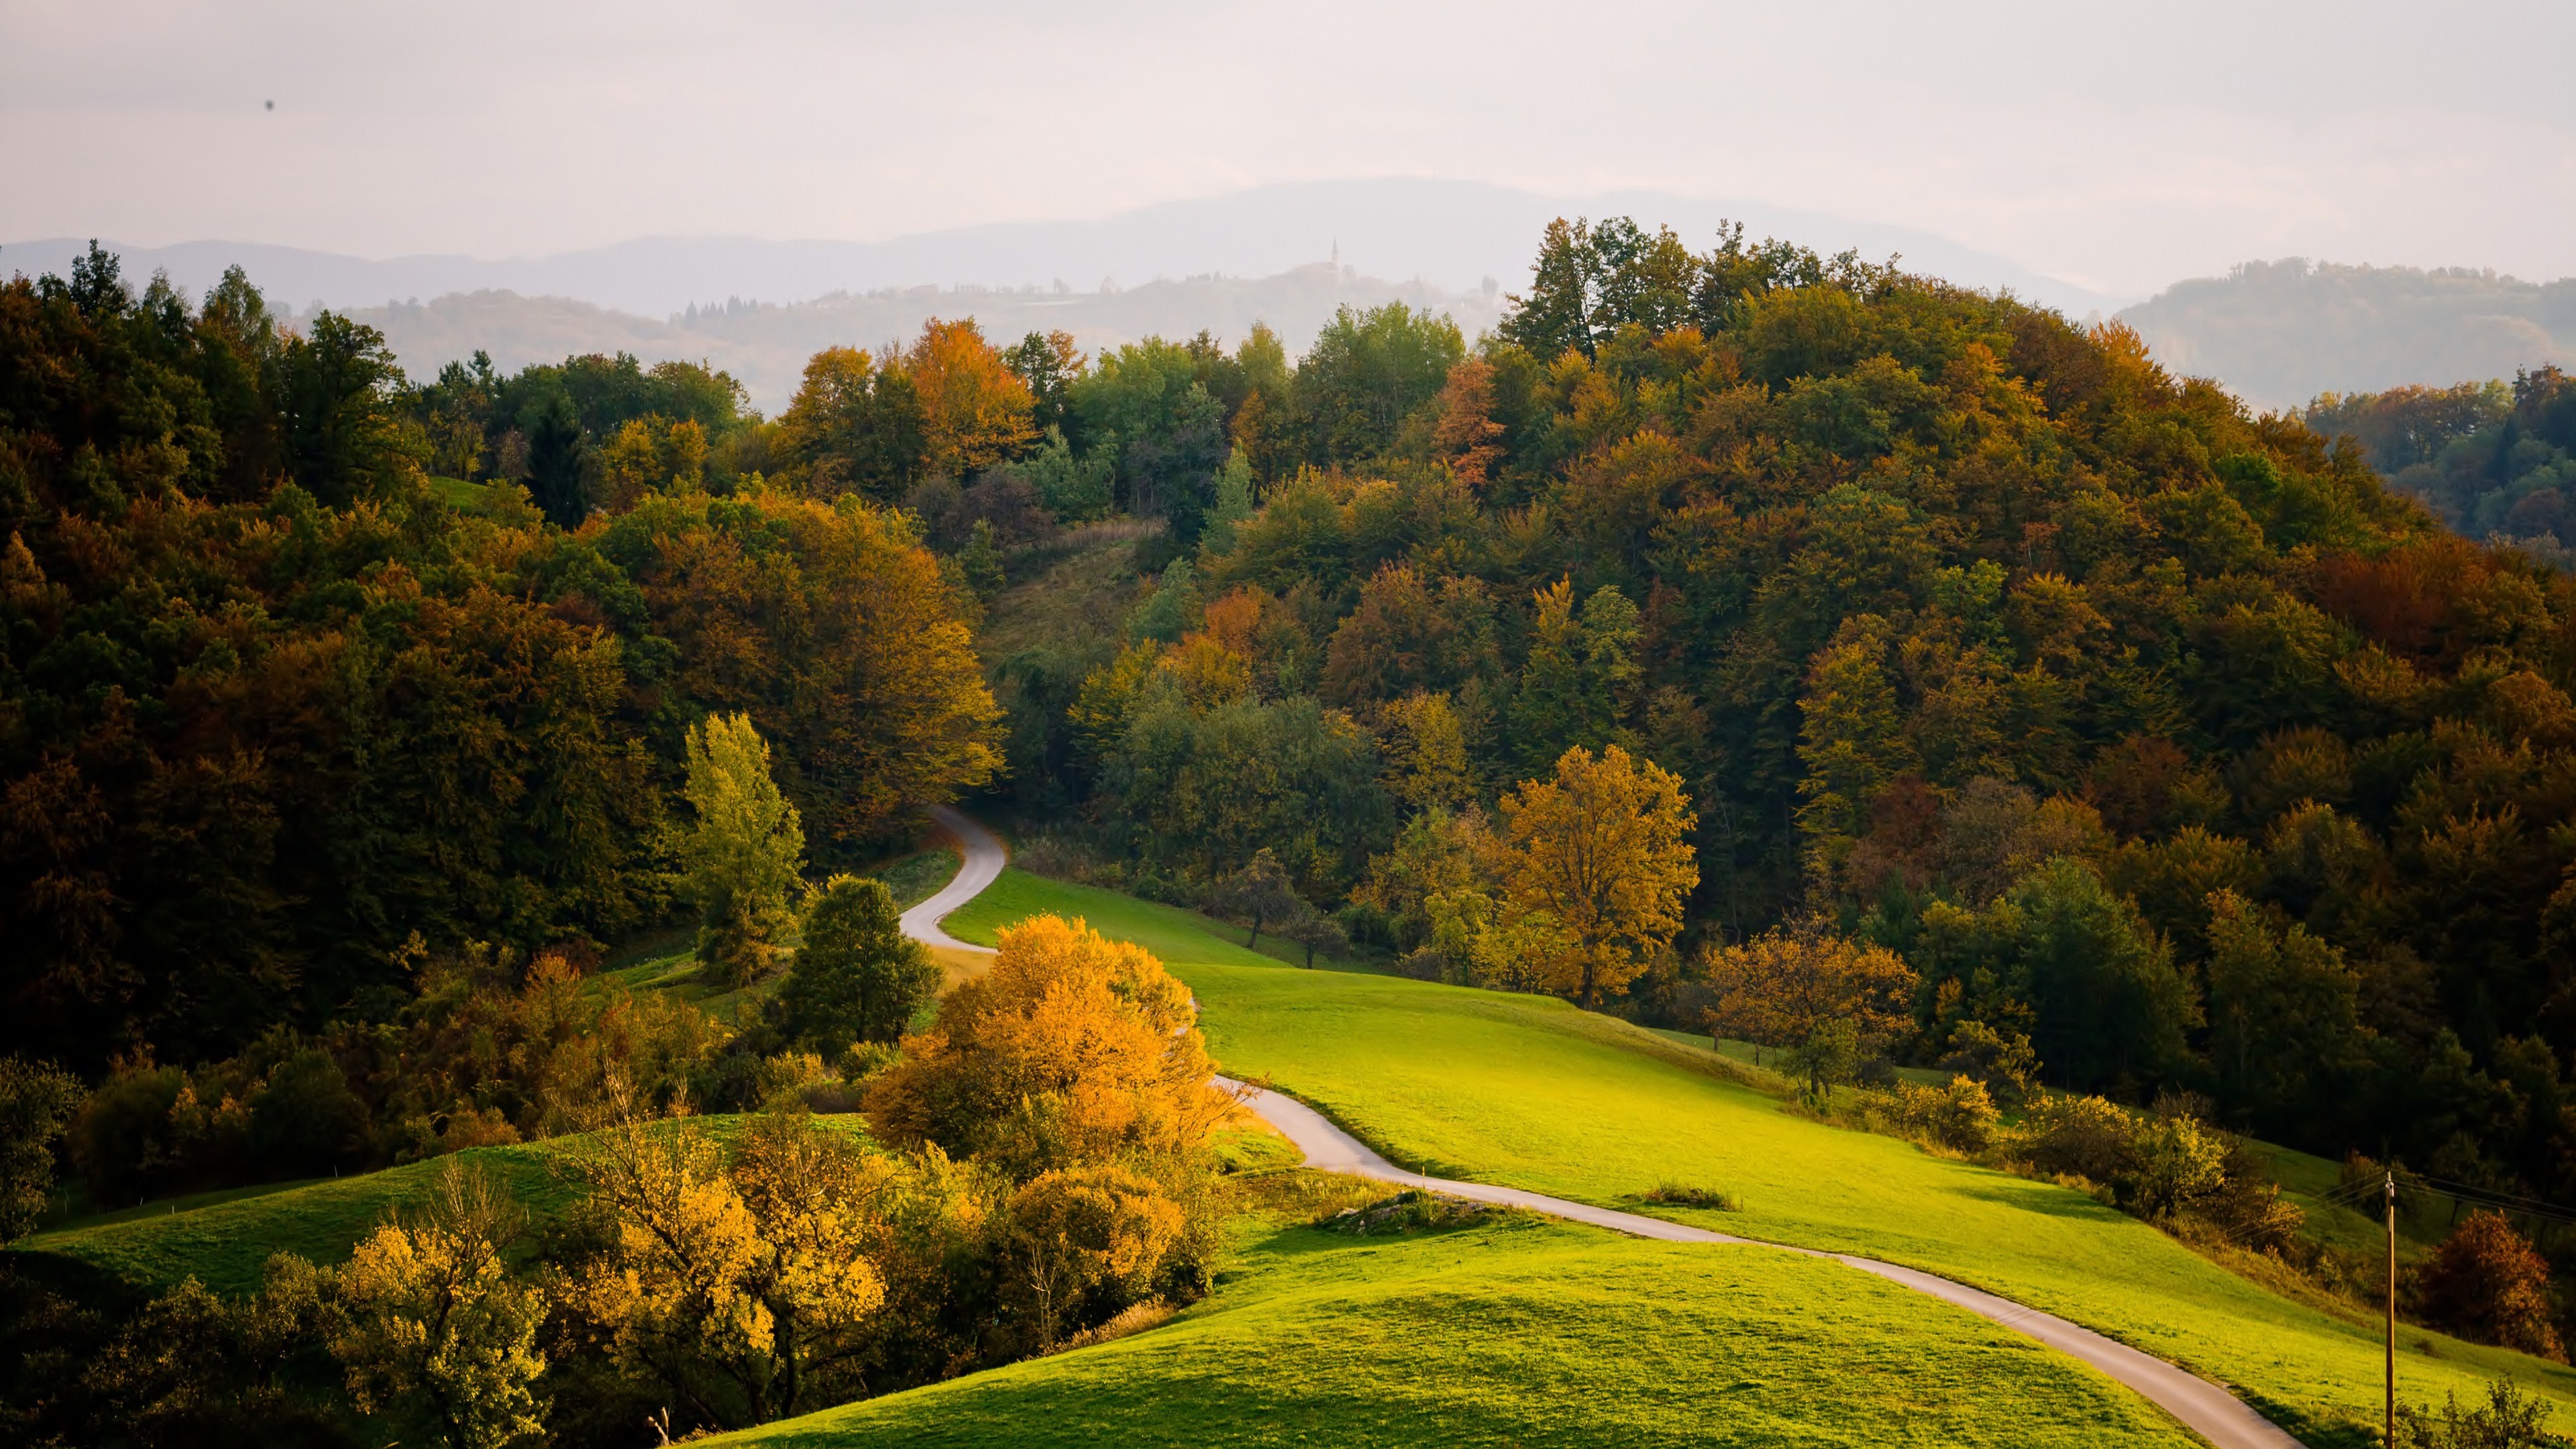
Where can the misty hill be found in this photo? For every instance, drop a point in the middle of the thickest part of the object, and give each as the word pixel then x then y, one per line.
pixel 2279 333
pixel 1454 234
pixel 765 346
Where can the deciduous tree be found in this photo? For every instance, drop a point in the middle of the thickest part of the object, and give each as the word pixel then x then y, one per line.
pixel 1603 850
pixel 741 857
pixel 435 1328
pixel 1810 991
pixel 1072 1049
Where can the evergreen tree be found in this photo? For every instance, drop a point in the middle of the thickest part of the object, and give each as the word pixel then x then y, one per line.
pixel 856 977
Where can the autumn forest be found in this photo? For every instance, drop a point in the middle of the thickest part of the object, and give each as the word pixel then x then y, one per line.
pixel 1923 680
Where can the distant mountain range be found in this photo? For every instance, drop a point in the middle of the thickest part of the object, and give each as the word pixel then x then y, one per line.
pixel 2277 333
pixel 765 346
pixel 1450 234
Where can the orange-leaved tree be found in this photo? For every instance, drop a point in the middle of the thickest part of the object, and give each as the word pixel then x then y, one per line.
pixel 1603 851
pixel 833 629
pixel 2487 1282
pixel 1073 1049
pixel 975 411
pixel 1824 997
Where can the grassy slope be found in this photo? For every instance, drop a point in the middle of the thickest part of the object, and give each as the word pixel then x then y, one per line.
pixel 1530 1092
pixel 225 1238
pixel 224 1243
pixel 1523 1332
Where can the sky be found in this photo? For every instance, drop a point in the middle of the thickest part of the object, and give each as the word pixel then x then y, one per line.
pixel 2117 147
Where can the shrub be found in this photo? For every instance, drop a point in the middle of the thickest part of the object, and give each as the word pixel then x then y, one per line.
pixel 2180 1165
pixel 2002 1061
pixel 2511 1419
pixel 2083 1137
pixel 1674 1194
pixel 2487 1282
pixel 1958 1115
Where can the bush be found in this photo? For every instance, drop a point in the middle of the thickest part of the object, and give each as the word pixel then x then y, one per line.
pixel 2002 1061
pixel 2083 1137
pixel 2511 1419
pixel 1958 1115
pixel 1674 1194
pixel 2487 1282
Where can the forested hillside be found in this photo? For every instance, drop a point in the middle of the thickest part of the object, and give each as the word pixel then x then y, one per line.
pixel 273 701
pixel 2279 333
pixel 2151 731
pixel 1742 641
pixel 2493 461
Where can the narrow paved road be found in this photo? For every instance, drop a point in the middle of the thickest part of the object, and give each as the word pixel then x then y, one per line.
pixel 984 858
pixel 2203 1407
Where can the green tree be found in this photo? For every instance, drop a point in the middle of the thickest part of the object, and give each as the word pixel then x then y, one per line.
pixel 1260 894
pixel 856 977
pixel 741 860
pixel 556 454
pixel 2283 1013
pixel 1366 374
pixel 1580 678
pixel 346 438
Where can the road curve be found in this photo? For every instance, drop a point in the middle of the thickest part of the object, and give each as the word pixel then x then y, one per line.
pixel 2203 1407
pixel 984 858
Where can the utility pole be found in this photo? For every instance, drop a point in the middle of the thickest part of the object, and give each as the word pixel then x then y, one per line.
pixel 2391 1183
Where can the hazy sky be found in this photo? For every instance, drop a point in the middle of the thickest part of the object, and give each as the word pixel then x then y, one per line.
pixel 2119 147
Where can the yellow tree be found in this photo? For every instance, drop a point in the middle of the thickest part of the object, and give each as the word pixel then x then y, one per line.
pixel 731 1283
pixel 434 1328
pixel 1072 1049
pixel 1823 997
pixel 1603 851
pixel 975 411
pixel 1075 1232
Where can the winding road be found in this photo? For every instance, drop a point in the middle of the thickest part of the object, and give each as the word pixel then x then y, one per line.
pixel 2205 1408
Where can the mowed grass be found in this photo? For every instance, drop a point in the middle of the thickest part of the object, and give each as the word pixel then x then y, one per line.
pixel 1522 1332
pixel 1532 1093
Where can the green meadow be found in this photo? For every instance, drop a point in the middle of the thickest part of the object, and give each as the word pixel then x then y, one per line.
pixel 1532 1093
pixel 1523 1332
pixel 1519 1330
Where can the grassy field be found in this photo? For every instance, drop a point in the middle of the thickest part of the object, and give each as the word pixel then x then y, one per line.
pixel 1533 1093
pixel 223 1238
pixel 1521 1331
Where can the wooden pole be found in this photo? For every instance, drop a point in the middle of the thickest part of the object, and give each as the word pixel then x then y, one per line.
pixel 2391 1440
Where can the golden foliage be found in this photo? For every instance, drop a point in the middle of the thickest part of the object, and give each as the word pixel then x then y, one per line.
pixel 1780 988
pixel 1072 1049
pixel 433 1325
pixel 749 1274
pixel 976 412
pixel 1075 1230
pixel 1603 851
